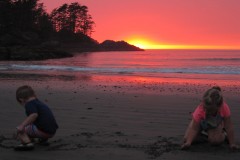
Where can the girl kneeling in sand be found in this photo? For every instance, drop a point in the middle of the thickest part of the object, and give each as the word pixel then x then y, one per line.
pixel 212 116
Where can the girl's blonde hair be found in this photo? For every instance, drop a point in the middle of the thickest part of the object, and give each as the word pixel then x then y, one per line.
pixel 24 92
pixel 213 97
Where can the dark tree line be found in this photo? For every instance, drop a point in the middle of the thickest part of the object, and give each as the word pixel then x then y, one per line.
pixel 73 17
pixel 30 15
pixel 27 31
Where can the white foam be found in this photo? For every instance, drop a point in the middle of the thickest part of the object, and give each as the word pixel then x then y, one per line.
pixel 196 70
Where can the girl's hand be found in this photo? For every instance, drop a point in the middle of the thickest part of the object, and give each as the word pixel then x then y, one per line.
pixel 234 146
pixel 185 145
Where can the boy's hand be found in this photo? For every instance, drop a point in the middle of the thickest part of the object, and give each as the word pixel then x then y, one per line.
pixel 20 129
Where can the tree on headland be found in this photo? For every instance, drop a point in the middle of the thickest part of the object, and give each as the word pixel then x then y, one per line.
pixel 20 16
pixel 26 14
pixel 28 32
pixel 25 28
pixel 5 15
pixel 58 18
pixel 74 18
pixel 43 23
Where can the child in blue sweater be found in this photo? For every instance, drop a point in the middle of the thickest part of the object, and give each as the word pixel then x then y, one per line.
pixel 40 121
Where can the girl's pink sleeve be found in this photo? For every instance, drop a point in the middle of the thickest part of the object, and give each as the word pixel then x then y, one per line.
pixel 225 111
pixel 198 114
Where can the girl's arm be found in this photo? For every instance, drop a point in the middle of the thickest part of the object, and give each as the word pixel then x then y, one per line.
pixel 30 119
pixel 191 134
pixel 230 132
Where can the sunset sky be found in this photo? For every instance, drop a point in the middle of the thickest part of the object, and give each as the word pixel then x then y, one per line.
pixel 164 23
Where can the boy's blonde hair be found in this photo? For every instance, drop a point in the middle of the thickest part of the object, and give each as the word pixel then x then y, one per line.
pixel 24 92
pixel 213 97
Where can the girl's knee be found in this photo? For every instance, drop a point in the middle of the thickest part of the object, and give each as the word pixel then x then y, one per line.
pixel 216 139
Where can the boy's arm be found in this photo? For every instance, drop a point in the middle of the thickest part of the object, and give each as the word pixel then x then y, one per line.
pixel 30 119
pixel 230 132
pixel 191 133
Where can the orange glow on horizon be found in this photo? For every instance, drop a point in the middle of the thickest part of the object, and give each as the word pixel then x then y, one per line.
pixel 148 44
pixel 164 24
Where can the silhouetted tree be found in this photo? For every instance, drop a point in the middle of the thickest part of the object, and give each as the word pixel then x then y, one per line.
pixel 27 14
pixel 43 23
pixel 73 17
pixel 5 15
pixel 23 14
pixel 84 22
pixel 59 18
pixel 19 16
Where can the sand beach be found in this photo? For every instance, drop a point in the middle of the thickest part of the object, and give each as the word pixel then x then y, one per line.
pixel 121 77
pixel 113 117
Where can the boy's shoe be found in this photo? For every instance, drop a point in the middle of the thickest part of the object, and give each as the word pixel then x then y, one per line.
pixel 24 147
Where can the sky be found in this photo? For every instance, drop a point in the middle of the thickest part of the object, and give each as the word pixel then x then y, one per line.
pixel 200 24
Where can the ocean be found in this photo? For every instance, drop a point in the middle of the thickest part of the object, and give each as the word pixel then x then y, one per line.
pixel 181 64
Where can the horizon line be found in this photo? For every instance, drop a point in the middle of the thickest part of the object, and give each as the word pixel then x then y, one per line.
pixel 188 47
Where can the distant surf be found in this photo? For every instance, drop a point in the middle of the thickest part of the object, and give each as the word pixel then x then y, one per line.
pixel 148 63
pixel 195 70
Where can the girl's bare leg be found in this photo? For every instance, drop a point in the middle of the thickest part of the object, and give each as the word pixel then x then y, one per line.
pixel 216 136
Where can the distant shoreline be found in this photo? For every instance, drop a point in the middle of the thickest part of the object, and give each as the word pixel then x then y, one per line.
pixel 53 51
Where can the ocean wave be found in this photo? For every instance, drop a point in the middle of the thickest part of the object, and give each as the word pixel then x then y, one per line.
pixel 215 59
pixel 196 70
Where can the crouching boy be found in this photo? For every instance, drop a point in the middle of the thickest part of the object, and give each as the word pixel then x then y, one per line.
pixel 39 123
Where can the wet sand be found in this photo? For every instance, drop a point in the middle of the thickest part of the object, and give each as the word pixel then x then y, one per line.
pixel 113 118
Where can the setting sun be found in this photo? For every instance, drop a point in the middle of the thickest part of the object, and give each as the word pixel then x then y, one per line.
pixel 144 43
pixel 164 24
pixel 148 44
